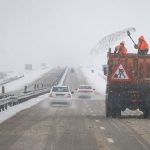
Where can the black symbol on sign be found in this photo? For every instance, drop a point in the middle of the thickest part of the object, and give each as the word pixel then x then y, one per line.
pixel 120 74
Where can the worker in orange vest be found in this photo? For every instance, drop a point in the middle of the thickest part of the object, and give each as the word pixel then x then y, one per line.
pixel 121 49
pixel 142 46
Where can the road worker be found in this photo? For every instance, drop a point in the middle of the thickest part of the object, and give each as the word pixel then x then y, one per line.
pixel 142 46
pixel 121 49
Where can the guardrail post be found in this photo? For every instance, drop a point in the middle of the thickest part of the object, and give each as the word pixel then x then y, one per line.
pixel 5 106
pixel 34 86
pixel 3 89
pixel 25 89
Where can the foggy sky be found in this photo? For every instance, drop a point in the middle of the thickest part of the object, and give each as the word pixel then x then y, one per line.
pixel 62 32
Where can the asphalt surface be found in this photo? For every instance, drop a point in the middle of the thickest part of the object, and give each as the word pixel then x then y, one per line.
pixel 81 126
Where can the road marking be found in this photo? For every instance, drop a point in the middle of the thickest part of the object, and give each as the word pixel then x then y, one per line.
pixel 102 128
pixel 97 121
pixel 91 111
pixel 110 140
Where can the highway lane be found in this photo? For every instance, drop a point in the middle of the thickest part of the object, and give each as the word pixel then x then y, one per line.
pixel 112 134
pixel 82 126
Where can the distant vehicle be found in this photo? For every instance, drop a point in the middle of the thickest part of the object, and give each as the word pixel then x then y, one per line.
pixel 60 95
pixel 28 67
pixel 92 70
pixel 85 91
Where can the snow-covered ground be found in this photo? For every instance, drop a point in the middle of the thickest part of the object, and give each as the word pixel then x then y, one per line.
pixel 29 76
pixel 97 79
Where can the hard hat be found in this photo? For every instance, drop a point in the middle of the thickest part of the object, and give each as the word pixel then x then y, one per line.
pixel 141 38
pixel 122 43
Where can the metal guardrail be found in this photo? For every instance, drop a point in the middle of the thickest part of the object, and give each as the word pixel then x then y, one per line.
pixel 11 100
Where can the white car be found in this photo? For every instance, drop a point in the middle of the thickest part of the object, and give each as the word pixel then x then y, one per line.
pixel 60 95
pixel 85 91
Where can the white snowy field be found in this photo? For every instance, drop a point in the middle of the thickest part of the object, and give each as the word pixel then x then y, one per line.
pixel 29 76
pixel 97 79
pixel 10 74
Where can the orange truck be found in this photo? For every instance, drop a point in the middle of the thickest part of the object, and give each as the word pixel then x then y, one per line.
pixel 128 84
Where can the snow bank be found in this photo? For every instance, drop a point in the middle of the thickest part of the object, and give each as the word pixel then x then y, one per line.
pixel 11 111
pixel 96 79
pixel 29 76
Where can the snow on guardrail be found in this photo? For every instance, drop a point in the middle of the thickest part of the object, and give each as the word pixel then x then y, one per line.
pixel 11 100
pixel 11 79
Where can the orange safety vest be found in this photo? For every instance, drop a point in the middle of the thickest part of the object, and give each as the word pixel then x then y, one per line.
pixel 142 45
pixel 124 51
pixel 121 50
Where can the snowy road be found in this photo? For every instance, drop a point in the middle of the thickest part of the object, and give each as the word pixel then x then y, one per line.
pixel 82 126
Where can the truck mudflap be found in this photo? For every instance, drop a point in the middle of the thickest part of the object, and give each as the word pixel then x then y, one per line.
pixel 113 107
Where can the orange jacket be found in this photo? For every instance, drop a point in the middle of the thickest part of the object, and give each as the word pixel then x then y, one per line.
pixel 142 45
pixel 120 50
pixel 124 51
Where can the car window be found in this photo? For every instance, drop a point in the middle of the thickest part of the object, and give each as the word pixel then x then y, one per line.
pixel 85 87
pixel 60 89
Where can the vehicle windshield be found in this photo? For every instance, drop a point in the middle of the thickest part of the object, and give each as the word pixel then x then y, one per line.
pixel 85 87
pixel 60 89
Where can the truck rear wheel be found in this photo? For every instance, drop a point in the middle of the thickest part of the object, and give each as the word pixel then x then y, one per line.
pixel 116 108
pixel 108 111
pixel 147 107
pixel 113 108
pixel 118 112
pixel 108 108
